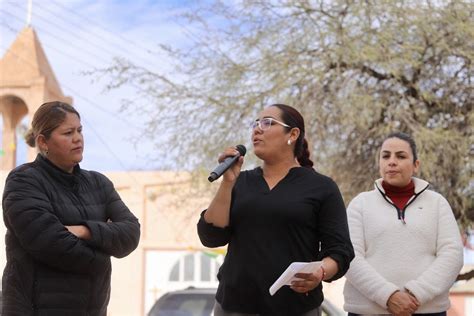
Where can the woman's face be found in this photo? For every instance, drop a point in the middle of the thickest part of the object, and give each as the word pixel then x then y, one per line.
pixel 396 162
pixel 271 143
pixel 66 143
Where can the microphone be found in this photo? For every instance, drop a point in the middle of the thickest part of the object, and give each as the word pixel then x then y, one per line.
pixel 227 163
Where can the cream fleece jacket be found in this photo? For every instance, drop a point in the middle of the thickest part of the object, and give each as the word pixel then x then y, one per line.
pixel 423 256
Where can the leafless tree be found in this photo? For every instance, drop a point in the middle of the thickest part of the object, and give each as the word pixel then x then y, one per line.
pixel 357 70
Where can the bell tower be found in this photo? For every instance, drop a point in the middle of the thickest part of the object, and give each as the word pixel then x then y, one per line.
pixel 26 81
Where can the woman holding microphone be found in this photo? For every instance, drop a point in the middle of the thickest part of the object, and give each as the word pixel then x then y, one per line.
pixel 271 216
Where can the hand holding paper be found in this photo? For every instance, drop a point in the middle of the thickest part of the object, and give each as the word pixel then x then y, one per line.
pixel 289 274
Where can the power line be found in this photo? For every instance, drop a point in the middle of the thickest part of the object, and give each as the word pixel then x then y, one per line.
pixel 100 40
pixel 96 35
pixel 130 42
pixel 107 147
pixel 27 62
pixel 67 44
pixel 77 93
pixel 101 140
pixel 127 40
pixel 11 29
pixel 70 44
pixel 52 47
pixel 65 26
pixel 80 61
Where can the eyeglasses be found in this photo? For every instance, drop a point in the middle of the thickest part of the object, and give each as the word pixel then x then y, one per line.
pixel 265 123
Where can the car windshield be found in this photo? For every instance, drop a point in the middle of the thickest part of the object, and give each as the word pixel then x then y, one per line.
pixel 200 302
pixel 195 304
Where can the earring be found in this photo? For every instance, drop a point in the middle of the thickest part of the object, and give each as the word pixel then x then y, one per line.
pixel 289 142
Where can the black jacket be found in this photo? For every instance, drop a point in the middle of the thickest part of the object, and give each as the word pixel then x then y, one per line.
pixel 50 271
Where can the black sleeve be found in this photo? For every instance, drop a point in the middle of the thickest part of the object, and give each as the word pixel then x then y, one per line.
pixel 212 236
pixel 334 232
pixel 29 216
pixel 120 235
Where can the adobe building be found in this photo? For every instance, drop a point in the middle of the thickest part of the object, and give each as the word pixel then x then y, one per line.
pixel 169 255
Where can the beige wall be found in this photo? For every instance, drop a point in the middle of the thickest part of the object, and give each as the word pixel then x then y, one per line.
pixel 168 211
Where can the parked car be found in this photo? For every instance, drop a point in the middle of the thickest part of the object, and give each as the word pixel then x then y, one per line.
pixel 200 302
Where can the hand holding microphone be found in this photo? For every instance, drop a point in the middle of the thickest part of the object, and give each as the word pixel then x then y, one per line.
pixel 230 159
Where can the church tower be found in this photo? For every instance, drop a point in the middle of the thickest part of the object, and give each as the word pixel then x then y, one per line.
pixel 26 81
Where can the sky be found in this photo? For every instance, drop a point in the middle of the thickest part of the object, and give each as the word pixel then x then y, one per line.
pixel 81 35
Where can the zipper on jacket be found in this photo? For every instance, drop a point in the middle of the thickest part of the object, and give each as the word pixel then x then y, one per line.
pixel 401 215
pixel 82 207
pixel 401 212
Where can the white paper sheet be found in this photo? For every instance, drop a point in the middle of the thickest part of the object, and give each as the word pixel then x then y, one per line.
pixel 288 275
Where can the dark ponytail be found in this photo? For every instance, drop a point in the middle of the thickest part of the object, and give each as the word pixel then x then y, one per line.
pixel 293 118
pixel 303 158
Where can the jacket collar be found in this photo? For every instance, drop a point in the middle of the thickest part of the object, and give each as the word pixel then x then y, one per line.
pixel 420 185
pixel 70 180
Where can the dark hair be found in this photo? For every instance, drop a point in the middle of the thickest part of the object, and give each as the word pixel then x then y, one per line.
pixel 46 119
pixel 293 118
pixel 407 138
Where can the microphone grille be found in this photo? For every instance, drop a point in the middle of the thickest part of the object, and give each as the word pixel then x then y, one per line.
pixel 241 149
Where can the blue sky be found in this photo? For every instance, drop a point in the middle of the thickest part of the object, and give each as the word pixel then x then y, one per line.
pixel 79 35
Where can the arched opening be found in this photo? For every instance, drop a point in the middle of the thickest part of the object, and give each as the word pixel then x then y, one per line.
pixel 13 109
pixel 21 146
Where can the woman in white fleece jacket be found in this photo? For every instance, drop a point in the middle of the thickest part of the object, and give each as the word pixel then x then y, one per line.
pixel 407 244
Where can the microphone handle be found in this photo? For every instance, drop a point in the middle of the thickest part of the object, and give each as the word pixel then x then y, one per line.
pixel 222 167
